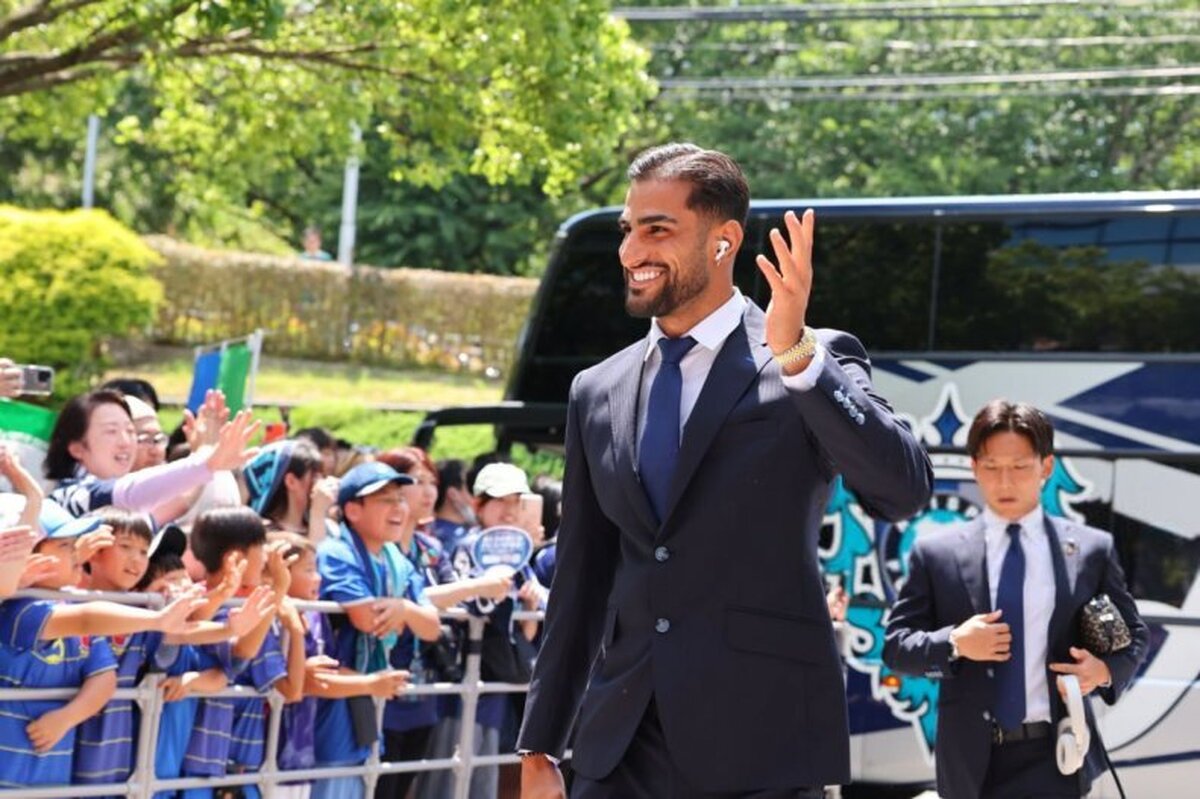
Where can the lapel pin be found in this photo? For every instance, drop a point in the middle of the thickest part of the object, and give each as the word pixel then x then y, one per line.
pixel 1070 548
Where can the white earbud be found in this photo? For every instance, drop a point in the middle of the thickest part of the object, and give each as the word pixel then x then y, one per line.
pixel 1074 737
pixel 722 248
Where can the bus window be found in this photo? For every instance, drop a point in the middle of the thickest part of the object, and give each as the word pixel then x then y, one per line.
pixel 873 279
pixel 1100 285
pixel 1159 565
pixel 590 281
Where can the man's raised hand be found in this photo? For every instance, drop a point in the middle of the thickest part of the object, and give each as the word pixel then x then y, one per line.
pixel 790 280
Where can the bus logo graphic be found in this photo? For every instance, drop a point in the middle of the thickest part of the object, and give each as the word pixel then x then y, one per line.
pixel 869 558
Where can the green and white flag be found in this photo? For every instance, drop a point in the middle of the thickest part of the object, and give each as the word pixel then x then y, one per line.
pixel 25 430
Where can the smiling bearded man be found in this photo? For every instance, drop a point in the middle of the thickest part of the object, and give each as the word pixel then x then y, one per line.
pixel 687 624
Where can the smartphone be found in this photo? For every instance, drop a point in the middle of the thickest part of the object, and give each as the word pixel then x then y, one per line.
pixel 36 380
pixel 529 517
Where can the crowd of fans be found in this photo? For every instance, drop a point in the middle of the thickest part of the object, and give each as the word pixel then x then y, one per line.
pixel 202 517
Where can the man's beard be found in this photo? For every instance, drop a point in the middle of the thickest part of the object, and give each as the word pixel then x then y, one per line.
pixel 678 288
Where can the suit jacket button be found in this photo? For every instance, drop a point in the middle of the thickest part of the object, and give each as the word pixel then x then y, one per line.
pixel 987 716
pixel 991 672
pixel 662 554
pixel 662 625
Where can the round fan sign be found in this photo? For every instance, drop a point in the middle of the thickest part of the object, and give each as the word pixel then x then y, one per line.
pixel 505 549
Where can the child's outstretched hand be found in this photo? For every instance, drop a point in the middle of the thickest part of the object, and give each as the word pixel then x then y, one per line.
pixel 179 687
pixel 231 579
pixel 47 730
pixel 173 619
pixel 257 607
pixel 88 544
pixel 279 575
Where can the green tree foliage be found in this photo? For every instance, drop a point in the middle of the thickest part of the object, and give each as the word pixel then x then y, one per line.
pixel 896 130
pixel 224 96
pixel 68 282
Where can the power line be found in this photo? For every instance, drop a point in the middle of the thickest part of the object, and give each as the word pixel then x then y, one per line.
pixel 1175 90
pixel 922 10
pixel 919 79
pixel 927 47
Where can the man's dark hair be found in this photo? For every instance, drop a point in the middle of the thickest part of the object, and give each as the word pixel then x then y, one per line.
pixel 135 387
pixel 719 187
pixel 72 426
pixel 1001 416
pixel 220 530
pixel 452 473
pixel 319 436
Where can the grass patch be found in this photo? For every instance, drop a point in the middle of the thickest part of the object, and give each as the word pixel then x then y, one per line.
pixel 293 383
pixel 387 429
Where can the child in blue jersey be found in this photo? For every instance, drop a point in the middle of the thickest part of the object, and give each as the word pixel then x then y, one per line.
pixel 197 670
pixel 105 744
pixel 363 571
pixel 46 644
pixel 259 659
pixel 37 738
pixel 297 734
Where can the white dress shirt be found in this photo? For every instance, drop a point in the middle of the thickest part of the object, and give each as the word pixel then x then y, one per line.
pixel 710 334
pixel 1039 597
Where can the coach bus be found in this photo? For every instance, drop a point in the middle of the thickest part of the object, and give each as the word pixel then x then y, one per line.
pixel 1087 305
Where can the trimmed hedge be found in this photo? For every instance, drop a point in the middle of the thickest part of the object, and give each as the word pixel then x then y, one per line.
pixel 313 309
pixel 69 281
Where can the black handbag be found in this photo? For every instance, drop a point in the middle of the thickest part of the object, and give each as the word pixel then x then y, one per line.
pixel 1102 629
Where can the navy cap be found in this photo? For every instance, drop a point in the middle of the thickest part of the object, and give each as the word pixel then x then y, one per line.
pixel 367 478
pixel 170 540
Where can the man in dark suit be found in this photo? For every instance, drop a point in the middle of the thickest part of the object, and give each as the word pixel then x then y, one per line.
pixel 991 608
pixel 688 600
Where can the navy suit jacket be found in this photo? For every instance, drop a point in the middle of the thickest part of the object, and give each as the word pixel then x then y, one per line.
pixel 947 584
pixel 718 612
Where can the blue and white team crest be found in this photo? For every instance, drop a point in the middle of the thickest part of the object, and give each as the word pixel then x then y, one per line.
pixel 869 559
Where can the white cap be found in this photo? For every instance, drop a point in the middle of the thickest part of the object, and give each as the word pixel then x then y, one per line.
pixel 139 409
pixel 500 480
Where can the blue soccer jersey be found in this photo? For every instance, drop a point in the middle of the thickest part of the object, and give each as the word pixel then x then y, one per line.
pixel 261 672
pixel 178 718
pixel 105 743
pixel 207 750
pixel 349 578
pixel 28 662
pixel 297 732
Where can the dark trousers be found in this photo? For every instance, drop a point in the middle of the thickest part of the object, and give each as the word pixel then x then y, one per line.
pixel 647 772
pixel 1027 770
pixel 407 745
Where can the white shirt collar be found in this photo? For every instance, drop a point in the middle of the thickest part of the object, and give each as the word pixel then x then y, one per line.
pixel 711 331
pixel 1032 524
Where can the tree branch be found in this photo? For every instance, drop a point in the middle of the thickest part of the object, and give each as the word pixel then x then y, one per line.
pixel 85 52
pixel 38 13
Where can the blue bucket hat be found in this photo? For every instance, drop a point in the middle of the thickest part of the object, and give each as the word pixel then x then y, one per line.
pixel 367 478
pixel 55 522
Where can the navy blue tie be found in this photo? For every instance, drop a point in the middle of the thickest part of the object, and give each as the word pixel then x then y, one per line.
pixel 659 450
pixel 1010 598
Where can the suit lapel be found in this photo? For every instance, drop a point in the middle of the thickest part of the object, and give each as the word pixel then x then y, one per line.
pixel 623 403
pixel 972 566
pixel 1065 573
pixel 743 355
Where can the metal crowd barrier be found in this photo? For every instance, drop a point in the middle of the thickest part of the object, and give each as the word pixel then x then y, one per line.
pixel 143 783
